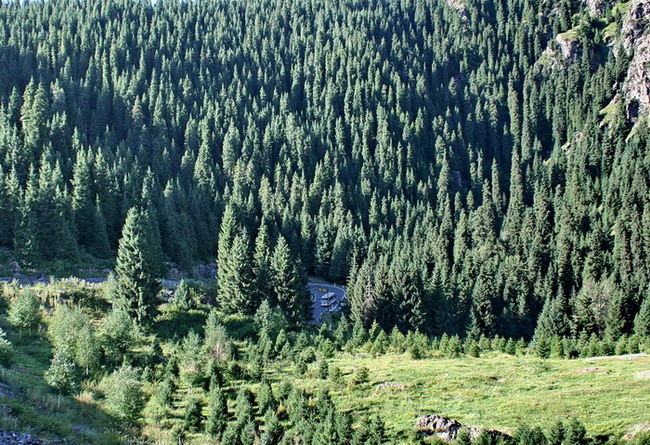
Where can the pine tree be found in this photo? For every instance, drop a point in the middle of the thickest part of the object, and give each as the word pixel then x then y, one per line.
pixel 25 311
pixel 61 374
pixel 83 200
pixel 88 353
pixel 553 320
pixel 136 265
pixel 289 283
pixel 192 417
pixel 615 322
pixel 642 320
pixel 100 244
pixel 236 280
pixel 34 115
pixel 262 266
pixel 227 234
pixel 26 232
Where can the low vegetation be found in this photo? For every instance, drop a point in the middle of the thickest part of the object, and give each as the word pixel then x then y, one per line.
pixel 75 368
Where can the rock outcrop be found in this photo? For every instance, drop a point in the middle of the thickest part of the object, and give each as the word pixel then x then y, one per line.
pixel 459 6
pixel 12 438
pixel 448 429
pixel 635 40
pixel 596 8
pixel 569 45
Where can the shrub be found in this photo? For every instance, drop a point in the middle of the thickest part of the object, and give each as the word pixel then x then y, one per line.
pixel 542 347
pixel 185 296
pixel 323 369
pixel 61 374
pixel 335 374
pixel 25 311
pixel 361 376
pixel 117 334
pixel 6 349
pixel 473 349
pixel 642 438
pixel 192 418
pixel 123 391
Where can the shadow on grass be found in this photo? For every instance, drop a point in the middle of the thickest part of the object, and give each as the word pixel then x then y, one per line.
pixel 177 324
pixel 29 404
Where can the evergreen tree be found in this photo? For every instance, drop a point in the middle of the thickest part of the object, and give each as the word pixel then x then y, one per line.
pixel 136 266
pixel 25 311
pixel 61 374
pixel 236 280
pixel 642 320
pixel 289 283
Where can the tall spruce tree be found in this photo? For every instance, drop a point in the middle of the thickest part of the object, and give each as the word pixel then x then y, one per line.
pixel 236 280
pixel 136 266
pixel 289 282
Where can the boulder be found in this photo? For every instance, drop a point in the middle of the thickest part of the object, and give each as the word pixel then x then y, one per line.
pixel 434 425
pixel 448 429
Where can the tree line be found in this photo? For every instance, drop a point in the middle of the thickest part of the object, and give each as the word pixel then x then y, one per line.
pixel 422 153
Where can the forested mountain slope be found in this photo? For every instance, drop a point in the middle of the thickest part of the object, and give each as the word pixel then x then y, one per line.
pixel 465 165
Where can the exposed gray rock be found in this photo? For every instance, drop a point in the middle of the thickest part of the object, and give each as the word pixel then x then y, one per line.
pixel 448 429
pixel 569 46
pixel 208 270
pixel 459 6
pixel 635 40
pixel 635 25
pixel 13 438
pixel 596 7
pixel 435 425
pixel 390 385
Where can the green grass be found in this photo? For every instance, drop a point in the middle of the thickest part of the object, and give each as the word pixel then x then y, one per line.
pixel 33 408
pixel 497 391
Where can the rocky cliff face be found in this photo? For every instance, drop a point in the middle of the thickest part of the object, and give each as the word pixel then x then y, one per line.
pixel 596 8
pixel 635 40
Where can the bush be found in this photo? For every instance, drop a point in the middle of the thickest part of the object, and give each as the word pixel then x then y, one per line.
pixel 186 297
pixel 25 311
pixel 61 374
pixel 361 376
pixel 335 375
pixel 117 335
pixel 193 415
pixel 123 391
pixel 323 369
pixel 473 349
pixel 78 292
pixel 642 438
pixel 65 327
pixel 6 349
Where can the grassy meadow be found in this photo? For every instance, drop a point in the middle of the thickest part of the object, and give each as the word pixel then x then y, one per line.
pixel 496 391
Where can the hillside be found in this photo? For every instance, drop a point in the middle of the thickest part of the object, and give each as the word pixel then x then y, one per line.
pixel 472 175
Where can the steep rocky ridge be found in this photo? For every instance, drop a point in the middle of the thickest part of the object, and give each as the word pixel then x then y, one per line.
pixel 635 40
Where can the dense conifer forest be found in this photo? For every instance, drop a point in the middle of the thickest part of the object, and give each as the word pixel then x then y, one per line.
pixel 472 171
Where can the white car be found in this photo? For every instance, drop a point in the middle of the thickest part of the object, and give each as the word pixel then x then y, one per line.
pixel 328 296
